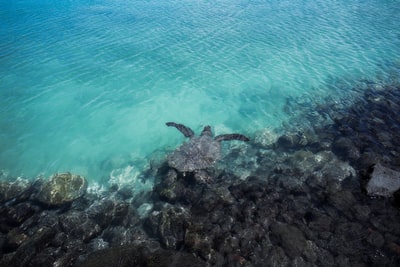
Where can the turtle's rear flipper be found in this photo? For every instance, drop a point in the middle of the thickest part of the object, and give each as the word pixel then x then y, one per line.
pixel 227 137
pixel 186 131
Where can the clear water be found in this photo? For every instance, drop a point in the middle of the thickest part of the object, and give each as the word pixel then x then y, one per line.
pixel 87 86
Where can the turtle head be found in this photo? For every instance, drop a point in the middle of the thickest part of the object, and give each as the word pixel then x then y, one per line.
pixel 206 131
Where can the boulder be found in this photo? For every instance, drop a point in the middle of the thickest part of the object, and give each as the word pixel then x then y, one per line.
pixel 384 181
pixel 61 189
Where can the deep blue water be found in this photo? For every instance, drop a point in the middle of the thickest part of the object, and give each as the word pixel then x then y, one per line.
pixel 87 86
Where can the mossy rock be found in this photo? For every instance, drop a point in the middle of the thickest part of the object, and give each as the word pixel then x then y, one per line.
pixel 61 189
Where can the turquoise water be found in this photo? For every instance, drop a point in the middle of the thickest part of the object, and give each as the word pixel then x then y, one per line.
pixel 87 86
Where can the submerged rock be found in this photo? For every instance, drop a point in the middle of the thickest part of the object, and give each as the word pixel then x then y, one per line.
pixel 384 181
pixel 61 189
pixel 265 137
pixel 17 189
pixel 345 149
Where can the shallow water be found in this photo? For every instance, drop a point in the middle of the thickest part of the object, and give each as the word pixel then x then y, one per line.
pixel 87 86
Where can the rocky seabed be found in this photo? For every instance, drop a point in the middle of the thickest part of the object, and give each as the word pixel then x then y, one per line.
pixel 323 193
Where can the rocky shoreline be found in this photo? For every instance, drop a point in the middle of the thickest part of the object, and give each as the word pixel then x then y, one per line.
pixel 296 199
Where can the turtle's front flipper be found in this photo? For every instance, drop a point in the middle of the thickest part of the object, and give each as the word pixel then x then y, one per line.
pixel 227 137
pixel 187 132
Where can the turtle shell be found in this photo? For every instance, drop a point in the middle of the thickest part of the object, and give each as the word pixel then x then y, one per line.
pixel 196 154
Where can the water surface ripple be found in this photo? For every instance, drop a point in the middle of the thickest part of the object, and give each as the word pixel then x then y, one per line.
pixel 86 86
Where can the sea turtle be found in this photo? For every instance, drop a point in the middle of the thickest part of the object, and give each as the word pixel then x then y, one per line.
pixel 199 152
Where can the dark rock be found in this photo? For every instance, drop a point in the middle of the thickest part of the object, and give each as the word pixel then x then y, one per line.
pixel 320 223
pixel 224 195
pixel 277 258
pixel 45 257
pixel 118 235
pixel 141 255
pixel 342 261
pixel 287 141
pixel 341 200
pixel 26 251
pixel 236 260
pixel 213 198
pixel 121 211
pixel 169 194
pixel 73 245
pixel 48 218
pixel 325 258
pixel 14 239
pixel 16 215
pixel 224 244
pixel 59 239
pixel 384 181
pixel 290 184
pixel 61 189
pixel 253 188
pixel 367 160
pixel 394 247
pixel 376 239
pixel 250 239
pixel 2 242
pixel 67 259
pixel 325 235
pixel 378 223
pixel 31 224
pixel 347 238
pixel 182 188
pixel 396 196
pixel 173 192
pixel 18 190
pixel 345 149
pixel 310 252
pixel 198 240
pixel 299 262
pixel 336 172
pixel 102 212
pixel 290 238
pixel 98 244
pixel 78 225
pixel 169 225
pixel 362 212
pixel 125 192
